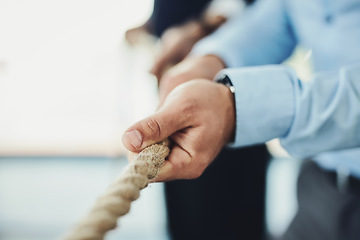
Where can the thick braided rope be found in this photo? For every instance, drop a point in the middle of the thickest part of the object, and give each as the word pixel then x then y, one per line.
pixel 118 197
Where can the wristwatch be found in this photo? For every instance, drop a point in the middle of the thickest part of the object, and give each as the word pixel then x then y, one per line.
pixel 224 79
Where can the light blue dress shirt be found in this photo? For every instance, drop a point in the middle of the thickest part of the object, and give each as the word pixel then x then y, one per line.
pixel 318 119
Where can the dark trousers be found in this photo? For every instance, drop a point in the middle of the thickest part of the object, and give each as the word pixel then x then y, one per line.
pixel 325 212
pixel 226 202
pixel 168 13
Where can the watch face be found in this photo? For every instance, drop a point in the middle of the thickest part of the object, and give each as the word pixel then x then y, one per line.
pixel 226 81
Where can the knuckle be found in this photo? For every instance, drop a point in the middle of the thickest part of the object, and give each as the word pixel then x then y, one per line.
pixel 152 128
pixel 186 163
pixel 188 109
pixel 193 167
pixel 200 166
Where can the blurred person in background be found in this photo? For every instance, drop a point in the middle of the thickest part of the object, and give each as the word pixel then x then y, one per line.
pixel 317 120
pixel 194 206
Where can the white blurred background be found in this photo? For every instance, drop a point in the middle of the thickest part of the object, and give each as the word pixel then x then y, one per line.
pixel 69 86
pixel 67 79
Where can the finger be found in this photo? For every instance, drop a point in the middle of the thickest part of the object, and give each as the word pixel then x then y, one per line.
pixel 175 167
pixel 153 129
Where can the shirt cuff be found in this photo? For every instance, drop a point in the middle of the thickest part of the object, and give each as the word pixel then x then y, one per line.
pixel 264 100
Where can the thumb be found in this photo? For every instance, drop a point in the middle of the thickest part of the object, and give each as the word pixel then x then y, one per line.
pixel 151 130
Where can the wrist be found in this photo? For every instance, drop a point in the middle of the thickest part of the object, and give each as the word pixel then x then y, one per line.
pixel 228 99
pixel 210 22
pixel 196 67
pixel 195 29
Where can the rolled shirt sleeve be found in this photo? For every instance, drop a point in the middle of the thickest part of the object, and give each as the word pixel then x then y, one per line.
pixel 259 35
pixel 264 100
pixel 308 117
pixel 327 113
pixel 271 102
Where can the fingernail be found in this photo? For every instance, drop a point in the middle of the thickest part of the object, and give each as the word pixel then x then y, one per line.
pixel 134 138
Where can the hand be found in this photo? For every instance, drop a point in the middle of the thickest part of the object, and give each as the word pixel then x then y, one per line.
pixel 199 117
pixel 134 35
pixel 205 67
pixel 176 43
